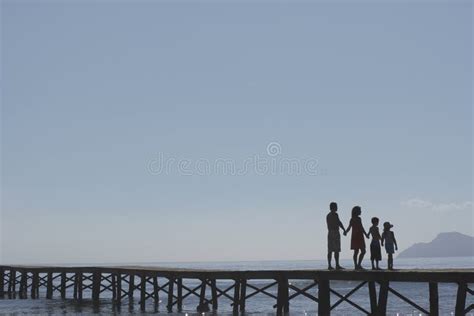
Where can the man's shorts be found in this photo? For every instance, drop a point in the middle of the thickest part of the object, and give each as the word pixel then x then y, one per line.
pixel 334 241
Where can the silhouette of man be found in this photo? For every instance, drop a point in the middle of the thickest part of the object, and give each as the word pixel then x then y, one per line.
pixel 334 237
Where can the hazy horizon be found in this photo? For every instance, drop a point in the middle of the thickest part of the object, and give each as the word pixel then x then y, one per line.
pixel 222 131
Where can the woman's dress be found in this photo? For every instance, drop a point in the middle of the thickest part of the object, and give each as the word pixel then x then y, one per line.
pixel 357 238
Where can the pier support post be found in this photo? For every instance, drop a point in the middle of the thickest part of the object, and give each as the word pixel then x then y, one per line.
pixel 63 285
pixel 114 286
pixel 203 306
pixel 12 284
pixel 324 305
pixel 96 279
pixel 235 309
pixel 23 284
pixel 279 303
pixel 131 285
pixel 214 294
pixel 118 295
pixel 76 285
pixel 460 299
pixel 243 294
pixel 35 285
pixel 156 294
pixel 2 282
pixel 80 286
pixel 20 290
pixel 142 292
pixel 434 300
pixel 180 294
pixel 283 305
pixel 373 298
pixel 49 286
pixel 383 297
pixel 170 293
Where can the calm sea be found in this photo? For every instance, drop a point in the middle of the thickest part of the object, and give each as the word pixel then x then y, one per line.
pixel 260 304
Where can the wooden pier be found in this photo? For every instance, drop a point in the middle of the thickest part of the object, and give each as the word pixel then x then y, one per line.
pixel 123 283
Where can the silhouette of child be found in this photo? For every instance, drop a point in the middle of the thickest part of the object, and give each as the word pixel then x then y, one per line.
pixel 357 238
pixel 375 250
pixel 390 243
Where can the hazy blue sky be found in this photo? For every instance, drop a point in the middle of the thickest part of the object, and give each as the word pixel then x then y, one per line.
pixel 380 95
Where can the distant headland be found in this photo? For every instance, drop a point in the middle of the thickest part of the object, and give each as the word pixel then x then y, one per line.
pixel 450 244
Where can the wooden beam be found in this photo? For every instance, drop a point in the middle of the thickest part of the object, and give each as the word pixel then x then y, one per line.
pixel 76 285
pixel 278 305
pixel 324 305
pixel 2 282
pixel 180 294
pixel 383 297
pixel 2 285
pixel 345 298
pixel 203 304
pixel 434 300
pixel 303 291
pixel 406 299
pixel 170 293
pixel 12 284
pixel 80 285
pixel 131 286
pixel 461 299
pixel 63 285
pixel 114 287
pixel 373 297
pixel 143 292
pixel 468 309
pixel 243 294
pixel 20 290
pixel 283 304
pixel 118 296
pixel 49 287
pixel 214 294
pixel 34 285
pixel 236 300
pixel 96 280
pixel 24 284
pixel 156 291
pixel 262 290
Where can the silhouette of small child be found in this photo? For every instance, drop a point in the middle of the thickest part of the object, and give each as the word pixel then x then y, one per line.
pixel 390 243
pixel 375 250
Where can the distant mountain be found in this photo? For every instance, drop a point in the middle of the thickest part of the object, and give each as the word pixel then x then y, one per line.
pixel 451 244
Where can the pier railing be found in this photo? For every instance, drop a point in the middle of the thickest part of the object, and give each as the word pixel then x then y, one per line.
pixel 123 283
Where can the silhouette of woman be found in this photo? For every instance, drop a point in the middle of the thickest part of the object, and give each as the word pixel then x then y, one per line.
pixel 357 238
